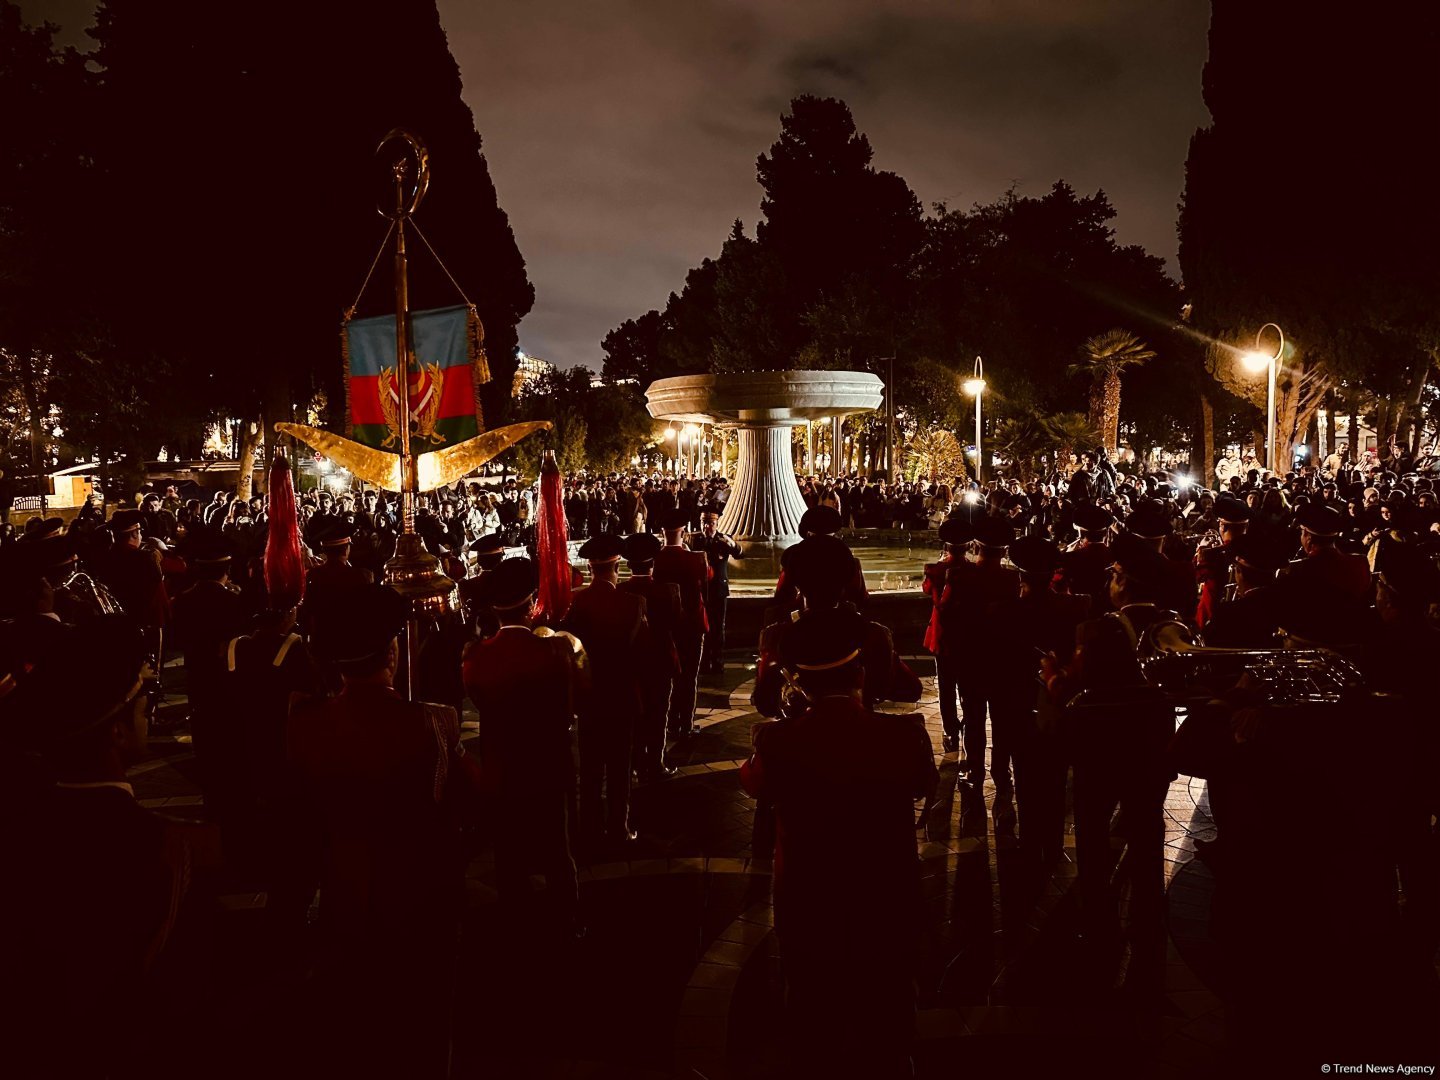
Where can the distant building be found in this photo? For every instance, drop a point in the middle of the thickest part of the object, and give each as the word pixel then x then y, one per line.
pixel 527 371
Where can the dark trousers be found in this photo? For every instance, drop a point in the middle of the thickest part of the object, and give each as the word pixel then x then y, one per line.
pixel 850 1015
pixel 959 679
pixel 649 749
pixel 1007 715
pixel 384 1006
pixel 687 684
pixel 605 772
pixel 947 672
pixel 532 833
pixel 714 651
pixel 215 761
pixel 1138 789
pixel 974 705
pixel 1040 772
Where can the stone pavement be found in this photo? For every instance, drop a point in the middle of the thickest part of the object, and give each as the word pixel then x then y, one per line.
pixel 679 973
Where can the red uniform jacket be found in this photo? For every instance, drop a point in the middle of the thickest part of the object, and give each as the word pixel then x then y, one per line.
pixel 1212 571
pixel 887 677
pixel 370 771
pixel 691 571
pixel 887 762
pixel 663 612
pixel 1330 570
pixel 787 597
pixel 526 690
pixel 962 613
pixel 934 586
pixel 611 625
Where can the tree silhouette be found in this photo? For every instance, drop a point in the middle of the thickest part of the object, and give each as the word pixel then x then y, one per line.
pixel 47 287
pixel 1306 203
pixel 247 199
pixel 823 283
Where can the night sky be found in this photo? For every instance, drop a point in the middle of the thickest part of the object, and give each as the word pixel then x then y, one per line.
pixel 622 136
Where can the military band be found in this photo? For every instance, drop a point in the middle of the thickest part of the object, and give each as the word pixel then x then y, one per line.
pixel 1055 663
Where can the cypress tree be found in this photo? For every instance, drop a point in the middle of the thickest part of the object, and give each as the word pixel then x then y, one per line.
pixel 244 190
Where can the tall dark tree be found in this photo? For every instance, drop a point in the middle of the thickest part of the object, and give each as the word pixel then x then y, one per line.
pixel 47 325
pixel 1023 281
pixel 632 349
pixel 1307 204
pixel 829 215
pixel 245 190
pixel 845 235
pixel 824 281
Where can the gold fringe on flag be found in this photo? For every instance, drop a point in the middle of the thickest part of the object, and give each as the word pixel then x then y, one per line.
pixel 475 340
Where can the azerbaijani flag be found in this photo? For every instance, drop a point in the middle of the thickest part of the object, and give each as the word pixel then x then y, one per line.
pixel 445 374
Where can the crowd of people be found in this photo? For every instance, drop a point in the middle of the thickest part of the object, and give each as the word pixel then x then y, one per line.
pixel 1046 601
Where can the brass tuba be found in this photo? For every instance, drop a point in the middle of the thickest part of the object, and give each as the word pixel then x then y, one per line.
pixel 87 597
pixel 1172 661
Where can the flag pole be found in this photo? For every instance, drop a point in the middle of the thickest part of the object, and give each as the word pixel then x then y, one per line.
pixel 408 479
pixel 412 571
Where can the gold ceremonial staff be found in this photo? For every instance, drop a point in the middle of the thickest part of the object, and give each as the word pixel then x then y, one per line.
pixel 413 571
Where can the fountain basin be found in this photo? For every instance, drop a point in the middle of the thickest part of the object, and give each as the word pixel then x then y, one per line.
pixel 765 504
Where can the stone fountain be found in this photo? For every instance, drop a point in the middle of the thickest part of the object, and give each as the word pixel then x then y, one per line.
pixel 763 512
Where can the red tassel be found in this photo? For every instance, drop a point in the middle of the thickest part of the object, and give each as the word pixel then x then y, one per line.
pixel 552 545
pixel 284 564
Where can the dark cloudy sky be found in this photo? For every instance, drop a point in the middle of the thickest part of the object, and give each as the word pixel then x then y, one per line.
pixel 622 134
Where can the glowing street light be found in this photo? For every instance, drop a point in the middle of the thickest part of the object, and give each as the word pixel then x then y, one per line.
pixel 975 386
pixel 1255 361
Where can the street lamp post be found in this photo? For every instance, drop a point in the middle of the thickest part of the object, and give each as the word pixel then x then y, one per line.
pixel 976 385
pixel 1257 361
pixel 890 422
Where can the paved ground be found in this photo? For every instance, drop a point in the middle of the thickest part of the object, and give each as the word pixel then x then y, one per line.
pixel 679 974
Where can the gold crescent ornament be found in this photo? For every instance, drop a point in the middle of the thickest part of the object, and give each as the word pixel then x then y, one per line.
pixel 434 469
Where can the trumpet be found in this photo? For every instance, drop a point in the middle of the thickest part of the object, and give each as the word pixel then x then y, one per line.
pixel 1172 661
pixel 794 699
pixel 1210 538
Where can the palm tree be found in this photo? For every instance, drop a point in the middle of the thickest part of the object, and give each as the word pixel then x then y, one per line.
pixel 1020 442
pixel 1103 357
pixel 936 454
pixel 1068 433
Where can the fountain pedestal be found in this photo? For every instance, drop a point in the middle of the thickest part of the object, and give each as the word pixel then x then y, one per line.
pixel 765 504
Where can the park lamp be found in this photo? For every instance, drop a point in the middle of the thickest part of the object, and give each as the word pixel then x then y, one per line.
pixel 975 386
pixel 1257 361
